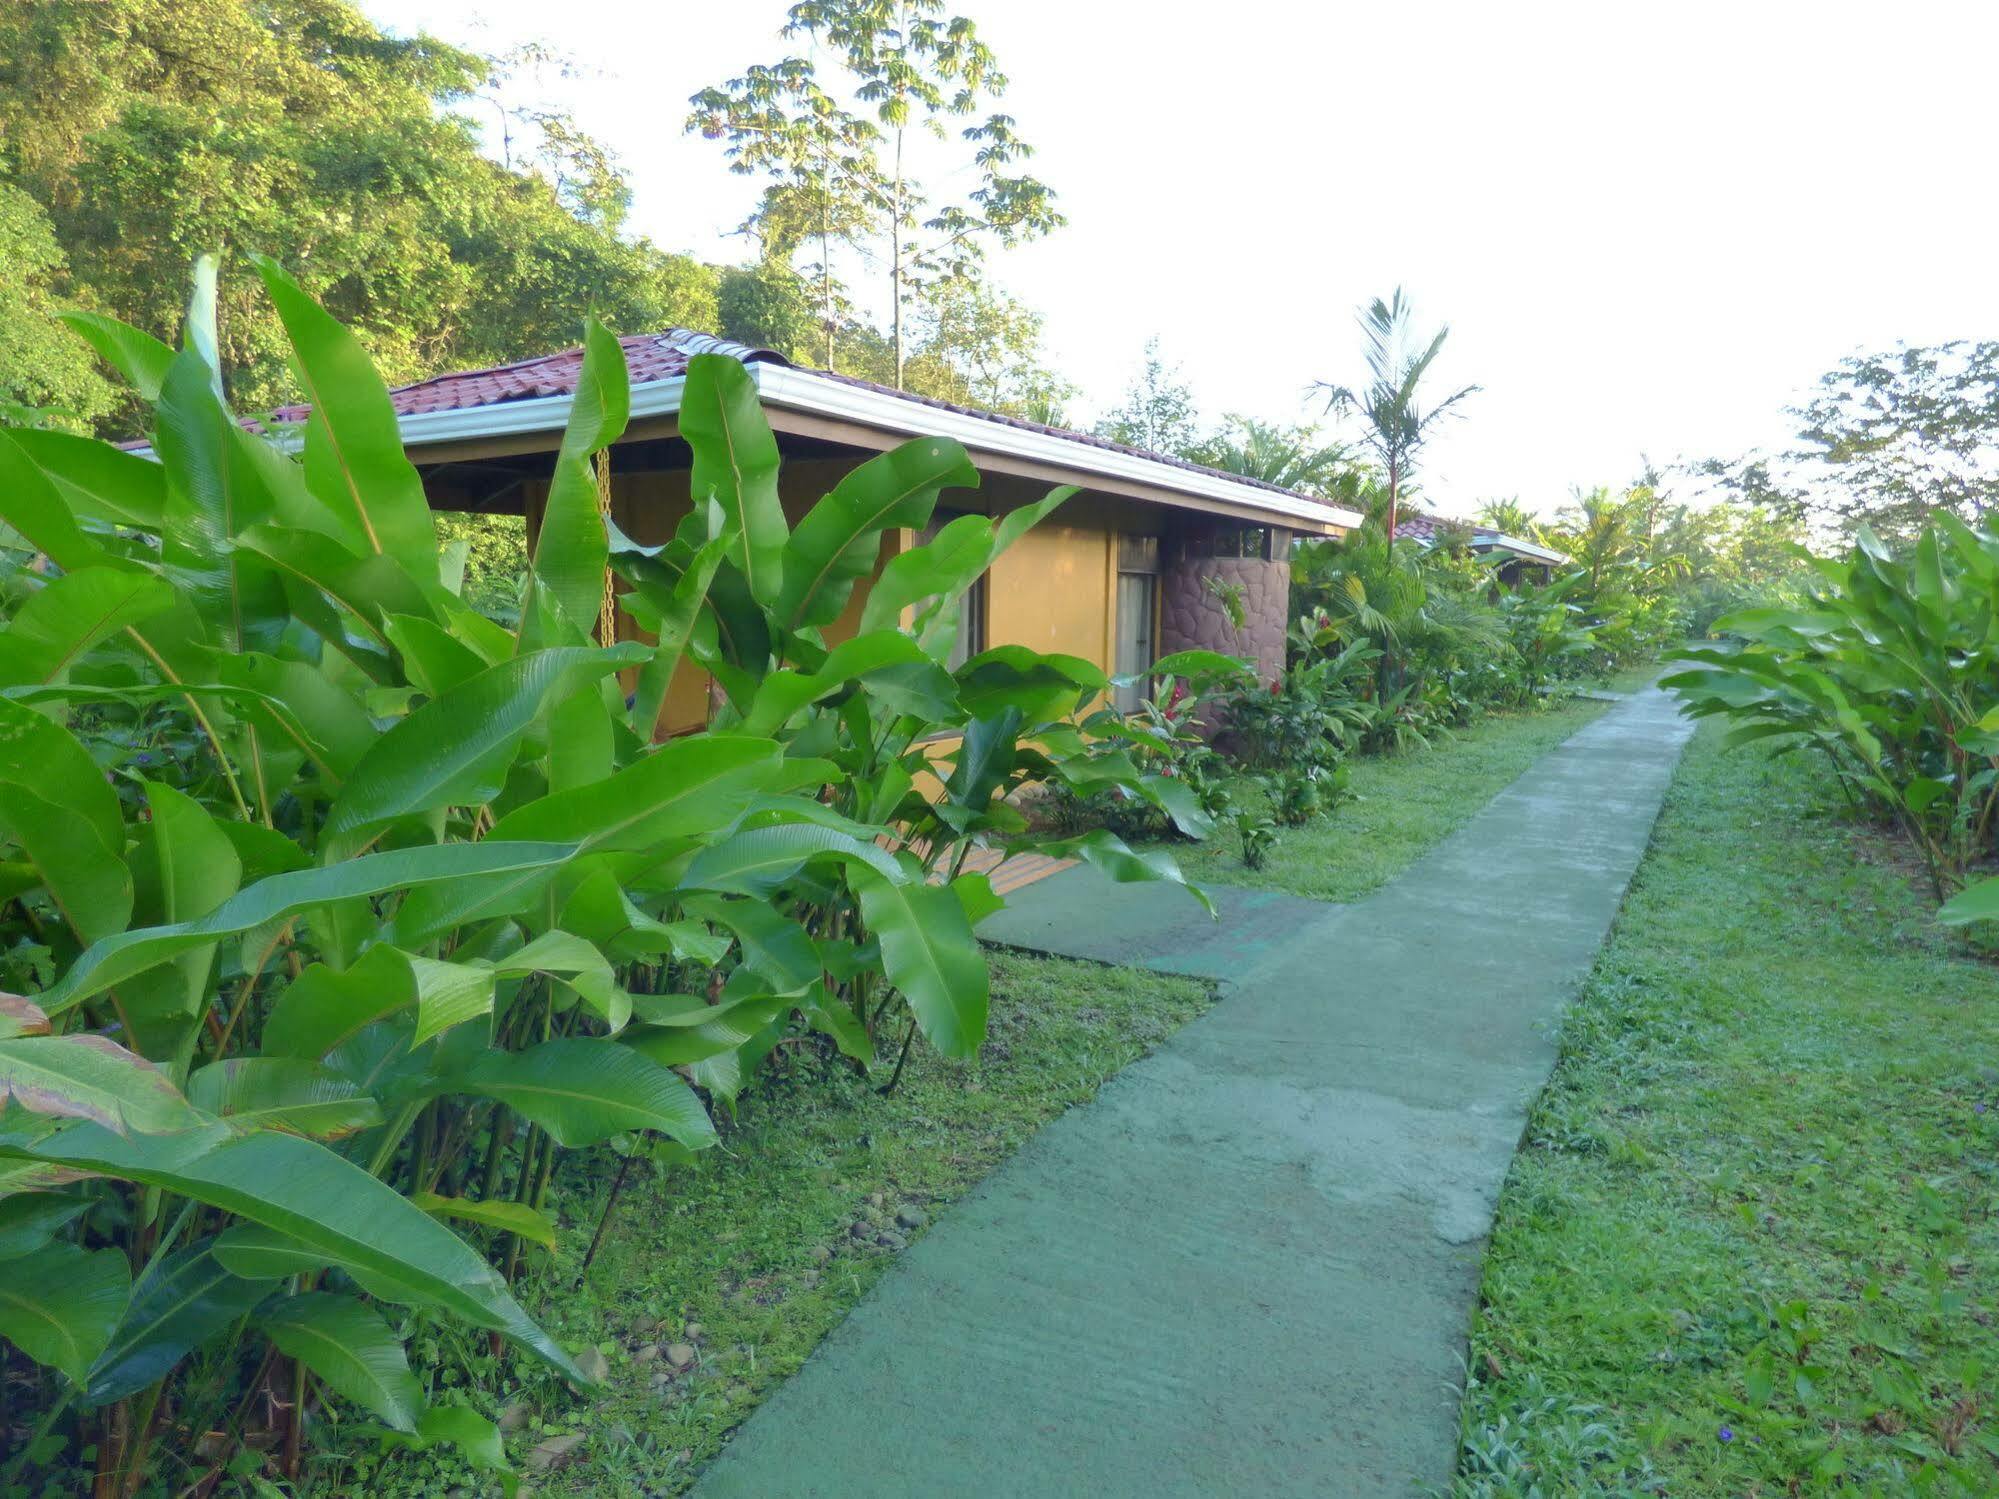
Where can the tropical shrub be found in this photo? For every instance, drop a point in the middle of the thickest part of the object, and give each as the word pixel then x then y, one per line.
pixel 1162 777
pixel 1887 669
pixel 1298 796
pixel 1258 835
pixel 336 910
pixel 1436 626
pixel 1310 716
pixel 1549 640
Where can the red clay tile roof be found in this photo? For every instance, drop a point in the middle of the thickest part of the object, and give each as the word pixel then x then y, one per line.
pixel 664 356
pixel 649 357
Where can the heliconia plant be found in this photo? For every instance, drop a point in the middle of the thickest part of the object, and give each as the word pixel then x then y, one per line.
pixel 1890 670
pixel 335 911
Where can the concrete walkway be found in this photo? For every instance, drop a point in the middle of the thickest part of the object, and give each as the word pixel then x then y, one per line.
pixel 1248 1266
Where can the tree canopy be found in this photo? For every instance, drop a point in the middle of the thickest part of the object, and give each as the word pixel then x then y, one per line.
pixel 1887 440
pixel 839 134
pixel 141 133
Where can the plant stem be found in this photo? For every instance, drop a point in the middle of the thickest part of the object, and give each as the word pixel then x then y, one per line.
pixel 908 1038
pixel 142 1440
pixel 604 1220
pixel 295 1427
pixel 392 1136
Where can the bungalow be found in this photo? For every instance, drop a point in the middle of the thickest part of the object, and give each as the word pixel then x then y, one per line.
pixel 1122 574
pixel 1516 556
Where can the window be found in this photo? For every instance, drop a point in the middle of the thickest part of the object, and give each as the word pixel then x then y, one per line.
pixel 970 638
pixel 1226 539
pixel 1137 612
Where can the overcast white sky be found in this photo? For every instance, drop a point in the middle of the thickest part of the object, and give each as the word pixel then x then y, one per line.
pixel 1649 227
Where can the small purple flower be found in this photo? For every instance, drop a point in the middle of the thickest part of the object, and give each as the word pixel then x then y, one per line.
pixel 1727 1433
pixel 144 757
pixel 1978 1108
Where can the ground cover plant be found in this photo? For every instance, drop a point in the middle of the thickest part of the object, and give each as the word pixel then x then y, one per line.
pixel 337 912
pixel 1749 1245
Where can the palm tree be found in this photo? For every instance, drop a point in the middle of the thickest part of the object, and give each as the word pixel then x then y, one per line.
pixel 1396 425
pixel 1603 532
pixel 1509 518
pixel 1289 457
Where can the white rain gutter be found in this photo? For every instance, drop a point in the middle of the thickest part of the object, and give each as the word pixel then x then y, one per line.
pixel 802 390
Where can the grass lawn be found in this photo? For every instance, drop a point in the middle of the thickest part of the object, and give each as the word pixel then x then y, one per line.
pixel 1404 804
pixel 1750 1247
pixel 737 1269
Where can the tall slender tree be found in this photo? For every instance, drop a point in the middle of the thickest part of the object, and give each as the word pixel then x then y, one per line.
pixel 821 161
pixel 1157 413
pixel 897 71
pixel 1395 420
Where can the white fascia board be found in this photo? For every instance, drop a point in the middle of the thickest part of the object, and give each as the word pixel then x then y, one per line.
pixel 1531 549
pixel 424 429
pixel 801 390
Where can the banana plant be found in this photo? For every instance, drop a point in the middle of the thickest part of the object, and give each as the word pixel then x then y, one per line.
pixel 303 968
pixel 1890 670
pixel 340 911
pixel 874 874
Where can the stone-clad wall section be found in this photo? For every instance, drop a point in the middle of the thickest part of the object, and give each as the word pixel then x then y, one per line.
pixel 1192 618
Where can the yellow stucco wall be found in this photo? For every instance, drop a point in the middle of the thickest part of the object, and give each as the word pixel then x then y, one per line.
pixel 1054 590
pixel 648 506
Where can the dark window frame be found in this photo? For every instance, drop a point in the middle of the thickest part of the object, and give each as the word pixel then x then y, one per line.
pixel 1137 555
pixel 973 603
pixel 1230 540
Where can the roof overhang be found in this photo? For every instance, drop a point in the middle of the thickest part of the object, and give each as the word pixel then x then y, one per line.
pixel 829 406
pixel 1533 551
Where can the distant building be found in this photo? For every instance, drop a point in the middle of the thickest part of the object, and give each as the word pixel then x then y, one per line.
pixel 1523 558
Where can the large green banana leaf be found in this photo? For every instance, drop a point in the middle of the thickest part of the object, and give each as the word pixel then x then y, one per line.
pixel 571 548
pixel 60 1305
pixel 279 1092
pixel 759 861
pixel 585 1091
pixel 455 750
pixel 894 668
pixel 64 814
pixel 56 625
pixel 85 1076
pixel 141 358
pixel 839 540
pixel 934 574
pixel 930 954
pixel 354 459
pixel 214 490
pixel 106 962
pixel 735 465
pixel 305 1191
pixel 102 485
pixel 177 1305
pixel 349 1346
